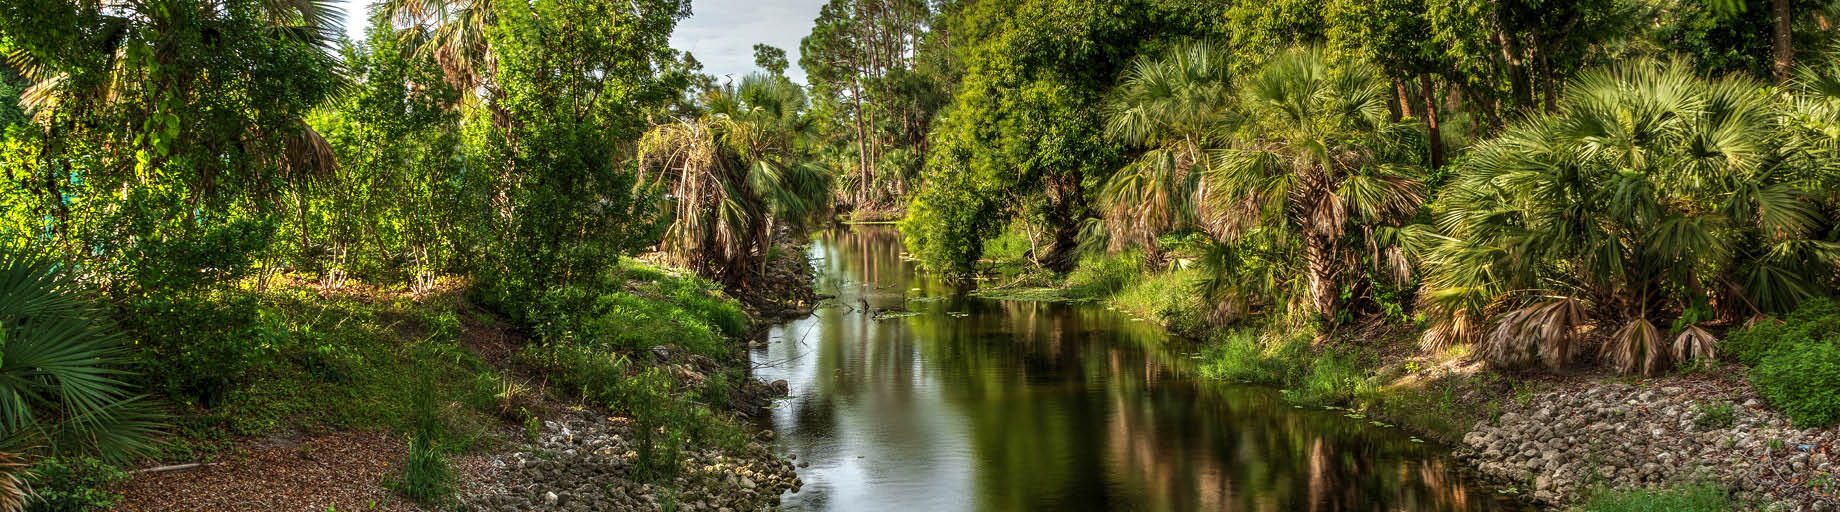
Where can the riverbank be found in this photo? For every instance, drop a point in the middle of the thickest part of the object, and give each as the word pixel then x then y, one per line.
pixel 638 403
pixel 1573 441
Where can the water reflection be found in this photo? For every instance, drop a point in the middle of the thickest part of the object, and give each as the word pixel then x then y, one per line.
pixel 992 405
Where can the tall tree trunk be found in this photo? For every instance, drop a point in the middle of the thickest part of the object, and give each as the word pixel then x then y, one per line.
pixel 862 148
pixel 1546 81
pixel 1431 120
pixel 1521 84
pixel 1404 108
pixel 1324 268
pixel 1782 40
pixel 1067 206
pixel 1321 244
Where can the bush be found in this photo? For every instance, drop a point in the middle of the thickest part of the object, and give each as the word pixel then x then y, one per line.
pixel 73 485
pixel 1815 320
pixel 206 343
pixel 1105 275
pixel 1803 380
pixel 1695 498
pixel 1796 361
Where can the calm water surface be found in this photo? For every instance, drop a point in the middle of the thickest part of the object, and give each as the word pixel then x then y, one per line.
pixel 977 404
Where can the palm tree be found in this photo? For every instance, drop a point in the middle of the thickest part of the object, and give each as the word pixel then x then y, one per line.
pixel 1172 105
pixel 733 176
pixel 1314 163
pixel 60 370
pixel 454 33
pixel 1650 196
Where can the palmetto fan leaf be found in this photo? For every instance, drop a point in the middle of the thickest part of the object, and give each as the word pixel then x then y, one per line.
pixel 60 376
pixel 1649 190
pixel 1171 105
pixel 1313 154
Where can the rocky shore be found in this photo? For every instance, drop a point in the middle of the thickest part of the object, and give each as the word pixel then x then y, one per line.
pixel 1562 443
pixel 583 463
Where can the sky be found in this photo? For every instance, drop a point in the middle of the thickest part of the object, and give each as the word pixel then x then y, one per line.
pixel 720 33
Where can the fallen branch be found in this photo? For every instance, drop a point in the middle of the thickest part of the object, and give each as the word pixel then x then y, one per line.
pixel 174 468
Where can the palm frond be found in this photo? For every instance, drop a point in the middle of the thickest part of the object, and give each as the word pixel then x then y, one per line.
pixel 60 366
pixel 1695 343
pixel 1637 348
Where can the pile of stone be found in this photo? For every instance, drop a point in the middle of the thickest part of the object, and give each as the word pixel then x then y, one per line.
pixel 582 463
pixel 1564 443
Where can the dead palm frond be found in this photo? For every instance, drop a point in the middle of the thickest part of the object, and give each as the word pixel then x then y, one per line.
pixel 1695 343
pixel 306 154
pixel 1637 348
pixel 1550 331
pixel 15 491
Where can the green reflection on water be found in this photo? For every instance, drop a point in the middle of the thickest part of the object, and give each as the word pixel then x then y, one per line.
pixel 976 404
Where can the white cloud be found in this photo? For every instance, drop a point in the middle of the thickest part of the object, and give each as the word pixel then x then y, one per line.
pixel 720 33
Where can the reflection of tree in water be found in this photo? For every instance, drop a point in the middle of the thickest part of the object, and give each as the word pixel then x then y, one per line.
pixel 1070 407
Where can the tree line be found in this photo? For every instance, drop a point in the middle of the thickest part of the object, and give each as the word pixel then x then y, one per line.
pixel 1531 178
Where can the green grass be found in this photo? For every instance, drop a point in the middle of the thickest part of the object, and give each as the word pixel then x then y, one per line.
pixel 1692 498
pixel 596 344
pixel 343 360
pixel 1168 298
pixel 1247 356
pixel 339 361
pixel 1332 378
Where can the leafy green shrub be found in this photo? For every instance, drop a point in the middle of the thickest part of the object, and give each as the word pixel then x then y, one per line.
pixel 206 343
pixel 1803 380
pixel 1101 276
pixel 1814 320
pixel 1693 498
pixel 444 326
pixel 73 484
pixel 659 423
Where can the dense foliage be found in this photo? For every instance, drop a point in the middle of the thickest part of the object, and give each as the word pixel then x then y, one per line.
pixel 1543 180
pixel 190 185
pixel 1651 196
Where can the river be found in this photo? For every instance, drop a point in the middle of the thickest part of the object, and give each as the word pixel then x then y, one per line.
pixel 978 404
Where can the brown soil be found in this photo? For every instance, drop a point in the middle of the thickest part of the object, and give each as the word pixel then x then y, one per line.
pixel 341 470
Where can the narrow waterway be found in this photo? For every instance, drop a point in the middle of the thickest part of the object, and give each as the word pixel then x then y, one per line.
pixel 976 404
